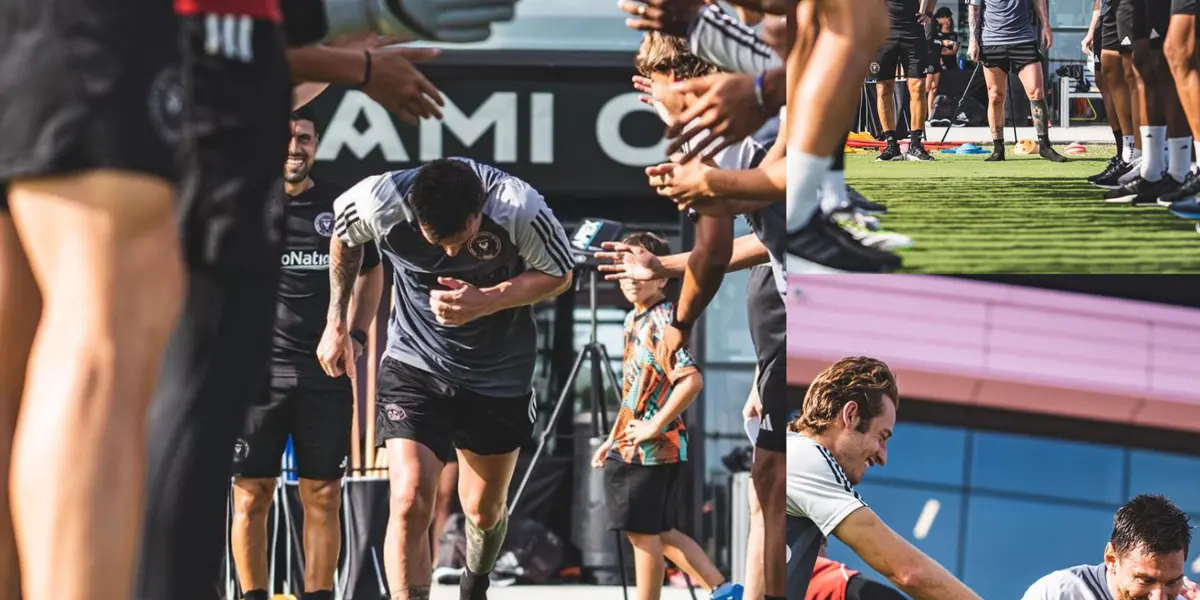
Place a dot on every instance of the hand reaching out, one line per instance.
(629, 262)
(400, 88)
(727, 108)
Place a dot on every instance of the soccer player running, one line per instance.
(303, 402)
(1166, 146)
(473, 248)
(1004, 40)
(906, 45)
(848, 416)
(1144, 558)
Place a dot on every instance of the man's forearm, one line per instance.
(766, 183)
(327, 65)
(748, 251)
(683, 393)
(344, 264)
(706, 267)
(939, 584)
(364, 302)
(774, 90)
(527, 288)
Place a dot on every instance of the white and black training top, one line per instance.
(1083, 582)
(721, 39)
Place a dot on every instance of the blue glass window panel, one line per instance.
(901, 508)
(1175, 476)
(1012, 543)
(926, 453)
(1071, 470)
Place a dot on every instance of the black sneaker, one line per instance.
(995, 156)
(1112, 181)
(857, 200)
(1113, 164)
(827, 245)
(1128, 192)
(1189, 189)
(1149, 196)
(473, 586)
(1188, 208)
(891, 152)
(917, 152)
(1048, 153)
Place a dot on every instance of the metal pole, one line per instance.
(961, 97)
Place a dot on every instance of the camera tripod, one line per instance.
(596, 355)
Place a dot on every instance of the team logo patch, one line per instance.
(241, 450)
(484, 246)
(345, 461)
(324, 224)
(394, 412)
(874, 68)
(164, 105)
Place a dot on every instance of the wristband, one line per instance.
(359, 336)
(366, 70)
(758, 92)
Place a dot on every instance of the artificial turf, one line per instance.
(1023, 215)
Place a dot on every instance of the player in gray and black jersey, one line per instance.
(473, 248)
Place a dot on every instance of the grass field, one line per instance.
(1024, 215)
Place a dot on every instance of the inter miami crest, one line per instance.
(394, 412)
(241, 451)
(324, 224)
(874, 68)
(484, 246)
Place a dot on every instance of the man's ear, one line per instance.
(1110, 557)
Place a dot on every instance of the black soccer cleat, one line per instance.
(1189, 189)
(1112, 181)
(1188, 208)
(1049, 153)
(827, 245)
(917, 152)
(891, 152)
(1155, 190)
(473, 586)
(857, 200)
(1114, 163)
(1128, 192)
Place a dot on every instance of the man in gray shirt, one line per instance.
(1145, 558)
(1003, 38)
(472, 249)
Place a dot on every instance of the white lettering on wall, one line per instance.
(380, 132)
(608, 133)
(499, 111)
(541, 128)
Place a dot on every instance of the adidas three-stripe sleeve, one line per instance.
(817, 489)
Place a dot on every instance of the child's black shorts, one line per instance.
(641, 499)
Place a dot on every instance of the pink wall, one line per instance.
(1004, 346)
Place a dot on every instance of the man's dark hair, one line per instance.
(653, 243)
(445, 194)
(943, 13)
(1153, 523)
(304, 113)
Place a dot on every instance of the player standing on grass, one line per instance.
(906, 45)
(1144, 558)
(848, 415)
(1166, 146)
(303, 402)
(1003, 38)
(473, 248)
(645, 453)
(1183, 56)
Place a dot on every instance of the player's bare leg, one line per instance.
(413, 473)
(1153, 79)
(447, 491)
(1034, 83)
(997, 89)
(1180, 50)
(483, 490)
(769, 477)
(248, 536)
(322, 501)
(918, 105)
(1137, 119)
(817, 114)
(1112, 71)
(754, 551)
(103, 246)
(689, 556)
(20, 310)
(648, 565)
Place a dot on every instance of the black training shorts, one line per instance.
(316, 412)
(1109, 40)
(641, 498)
(88, 84)
(906, 47)
(1011, 58)
(1143, 20)
(1183, 7)
(441, 415)
(768, 330)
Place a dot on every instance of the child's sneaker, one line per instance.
(728, 591)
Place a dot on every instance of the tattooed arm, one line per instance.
(335, 352)
(975, 14)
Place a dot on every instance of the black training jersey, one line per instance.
(303, 297)
(904, 13)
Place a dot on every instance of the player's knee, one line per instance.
(1179, 48)
(1036, 95)
(321, 498)
(886, 89)
(1145, 64)
(767, 476)
(483, 513)
(253, 499)
(996, 95)
(916, 86)
(412, 506)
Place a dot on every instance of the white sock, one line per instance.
(1196, 156)
(1127, 147)
(805, 173)
(1179, 157)
(1135, 154)
(1153, 138)
(833, 192)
